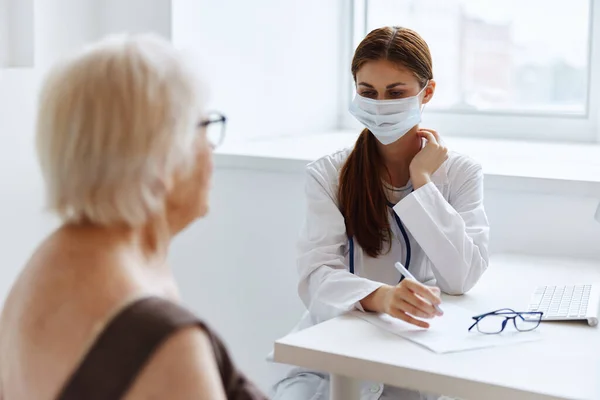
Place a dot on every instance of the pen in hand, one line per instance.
(404, 272)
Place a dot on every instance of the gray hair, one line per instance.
(115, 123)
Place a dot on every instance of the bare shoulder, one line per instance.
(183, 367)
(57, 306)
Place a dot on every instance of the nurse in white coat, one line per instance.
(398, 195)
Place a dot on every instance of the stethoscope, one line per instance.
(404, 236)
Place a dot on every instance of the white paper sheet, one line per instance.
(449, 333)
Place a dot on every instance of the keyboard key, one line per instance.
(562, 301)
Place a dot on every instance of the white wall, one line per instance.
(548, 225)
(63, 26)
(4, 42)
(135, 16)
(16, 33)
(20, 32)
(272, 68)
(272, 65)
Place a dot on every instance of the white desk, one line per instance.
(565, 364)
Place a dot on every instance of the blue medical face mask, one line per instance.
(388, 120)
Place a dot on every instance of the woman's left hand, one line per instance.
(428, 160)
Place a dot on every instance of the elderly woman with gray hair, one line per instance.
(126, 159)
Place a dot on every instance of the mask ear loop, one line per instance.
(421, 91)
(422, 108)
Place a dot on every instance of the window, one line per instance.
(504, 68)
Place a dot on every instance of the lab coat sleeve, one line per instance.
(326, 286)
(453, 234)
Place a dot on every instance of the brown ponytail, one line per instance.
(362, 197)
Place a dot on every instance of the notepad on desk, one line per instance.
(448, 333)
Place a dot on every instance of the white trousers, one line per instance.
(315, 386)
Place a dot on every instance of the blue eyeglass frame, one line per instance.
(508, 314)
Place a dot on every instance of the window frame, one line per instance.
(485, 124)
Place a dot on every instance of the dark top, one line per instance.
(127, 344)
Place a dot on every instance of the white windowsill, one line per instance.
(567, 169)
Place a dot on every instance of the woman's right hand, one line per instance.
(407, 300)
(428, 160)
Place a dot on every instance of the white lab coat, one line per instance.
(448, 231)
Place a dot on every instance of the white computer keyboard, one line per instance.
(567, 302)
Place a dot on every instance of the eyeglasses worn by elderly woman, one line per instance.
(214, 123)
